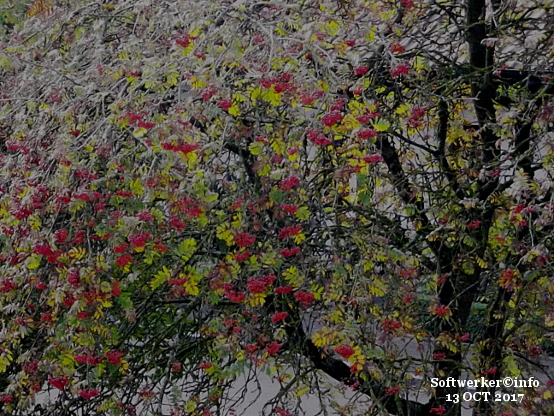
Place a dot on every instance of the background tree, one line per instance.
(190, 191)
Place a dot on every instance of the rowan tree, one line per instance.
(191, 192)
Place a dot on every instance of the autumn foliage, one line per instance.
(195, 192)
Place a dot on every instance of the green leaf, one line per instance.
(211, 197)
(468, 241)
(34, 261)
(35, 223)
(255, 93)
(160, 278)
(277, 196)
(234, 110)
(223, 232)
(187, 248)
(303, 213)
(375, 353)
(4, 363)
(125, 300)
(136, 187)
(370, 37)
(403, 109)
(212, 298)
(172, 78)
(256, 148)
(381, 125)
(378, 287)
(272, 97)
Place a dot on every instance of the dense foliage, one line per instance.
(191, 191)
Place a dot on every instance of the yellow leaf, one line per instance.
(323, 85)
(377, 287)
(172, 78)
(256, 299)
(4, 362)
(368, 265)
(237, 220)
(419, 64)
(234, 110)
(272, 97)
(265, 170)
(196, 83)
(67, 359)
(278, 146)
(136, 187)
(256, 148)
(223, 232)
(34, 261)
(34, 222)
(482, 263)
(239, 97)
(77, 253)
(293, 276)
(160, 278)
(403, 109)
(196, 32)
(295, 157)
(302, 391)
(140, 132)
(371, 35)
(40, 8)
(98, 314)
(255, 93)
(298, 238)
(191, 285)
(349, 122)
(303, 213)
(381, 125)
(355, 107)
(187, 248)
(332, 28)
(323, 338)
